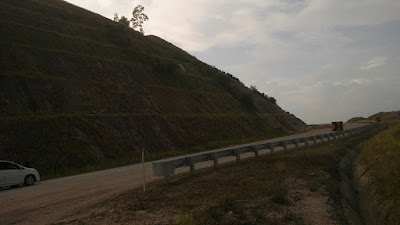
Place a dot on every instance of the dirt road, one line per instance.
(49, 201)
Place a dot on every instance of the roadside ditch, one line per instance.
(357, 201)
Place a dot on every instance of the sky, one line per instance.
(323, 60)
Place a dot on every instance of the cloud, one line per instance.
(373, 63)
(305, 53)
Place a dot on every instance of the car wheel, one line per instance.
(29, 180)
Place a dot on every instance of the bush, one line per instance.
(272, 99)
(184, 219)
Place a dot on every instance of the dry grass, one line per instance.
(381, 156)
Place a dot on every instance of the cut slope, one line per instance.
(80, 92)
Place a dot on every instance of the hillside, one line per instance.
(79, 92)
(394, 115)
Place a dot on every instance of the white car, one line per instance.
(12, 174)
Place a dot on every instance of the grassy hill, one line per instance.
(381, 116)
(395, 115)
(79, 92)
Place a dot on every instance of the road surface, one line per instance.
(50, 201)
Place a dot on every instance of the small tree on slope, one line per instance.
(138, 18)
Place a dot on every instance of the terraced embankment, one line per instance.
(79, 92)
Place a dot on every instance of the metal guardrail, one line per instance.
(166, 168)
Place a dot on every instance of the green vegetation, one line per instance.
(381, 156)
(254, 90)
(122, 20)
(138, 18)
(184, 219)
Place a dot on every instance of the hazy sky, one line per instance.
(323, 60)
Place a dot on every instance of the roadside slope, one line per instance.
(378, 173)
(85, 93)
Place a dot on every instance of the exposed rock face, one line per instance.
(78, 89)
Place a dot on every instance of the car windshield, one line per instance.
(13, 166)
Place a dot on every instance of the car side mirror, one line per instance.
(21, 168)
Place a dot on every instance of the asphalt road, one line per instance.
(50, 201)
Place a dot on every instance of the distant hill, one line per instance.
(79, 92)
(395, 115)
(356, 119)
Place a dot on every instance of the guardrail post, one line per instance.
(163, 169)
(272, 148)
(314, 138)
(214, 157)
(306, 142)
(255, 150)
(284, 146)
(190, 162)
(296, 143)
(237, 154)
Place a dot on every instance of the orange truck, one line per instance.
(337, 126)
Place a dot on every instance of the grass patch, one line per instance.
(381, 156)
